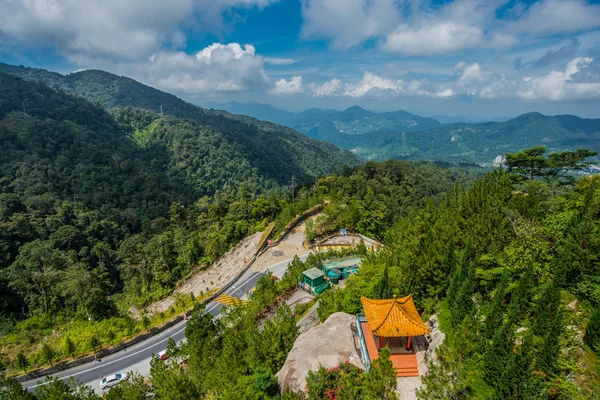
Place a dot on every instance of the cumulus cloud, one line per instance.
(216, 68)
(549, 17)
(567, 84)
(293, 86)
(123, 30)
(471, 74)
(580, 80)
(458, 25)
(561, 85)
(380, 87)
(348, 22)
(329, 88)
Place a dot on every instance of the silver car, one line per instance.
(111, 380)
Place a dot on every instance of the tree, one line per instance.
(521, 382)
(592, 332)
(132, 388)
(94, 343)
(531, 163)
(445, 378)
(11, 389)
(380, 381)
(550, 349)
(146, 321)
(493, 318)
(22, 361)
(495, 359)
(171, 382)
(172, 349)
(47, 354)
(56, 389)
(69, 347)
(383, 289)
(545, 311)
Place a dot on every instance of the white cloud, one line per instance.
(123, 30)
(456, 26)
(348, 22)
(548, 17)
(280, 61)
(442, 37)
(329, 88)
(371, 81)
(293, 86)
(569, 84)
(470, 73)
(216, 68)
(561, 85)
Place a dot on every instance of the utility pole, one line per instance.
(161, 111)
(293, 187)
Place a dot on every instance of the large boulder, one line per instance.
(328, 344)
(434, 339)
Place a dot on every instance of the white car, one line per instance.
(111, 380)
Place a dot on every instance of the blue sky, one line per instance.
(484, 58)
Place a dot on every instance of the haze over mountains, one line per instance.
(402, 135)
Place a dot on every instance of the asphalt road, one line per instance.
(137, 357)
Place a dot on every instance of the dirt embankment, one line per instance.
(218, 275)
(289, 247)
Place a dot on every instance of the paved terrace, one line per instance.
(405, 362)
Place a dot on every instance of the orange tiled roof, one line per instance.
(394, 317)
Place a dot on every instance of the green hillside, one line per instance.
(86, 187)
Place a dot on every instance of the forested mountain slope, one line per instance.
(277, 152)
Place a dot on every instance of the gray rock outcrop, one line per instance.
(328, 344)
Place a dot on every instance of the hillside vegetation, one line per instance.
(121, 203)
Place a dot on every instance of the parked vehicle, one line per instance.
(162, 355)
(111, 380)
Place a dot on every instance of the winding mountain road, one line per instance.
(137, 357)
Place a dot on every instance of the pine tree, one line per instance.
(550, 348)
(592, 333)
(382, 289)
(519, 300)
(380, 382)
(495, 359)
(22, 361)
(445, 378)
(546, 309)
(521, 382)
(47, 354)
(69, 346)
(493, 319)
(458, 275)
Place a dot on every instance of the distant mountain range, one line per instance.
(402, 135)
(328, 124)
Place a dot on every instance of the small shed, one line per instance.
(313, 281)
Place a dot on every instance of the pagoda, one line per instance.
(393, 323)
